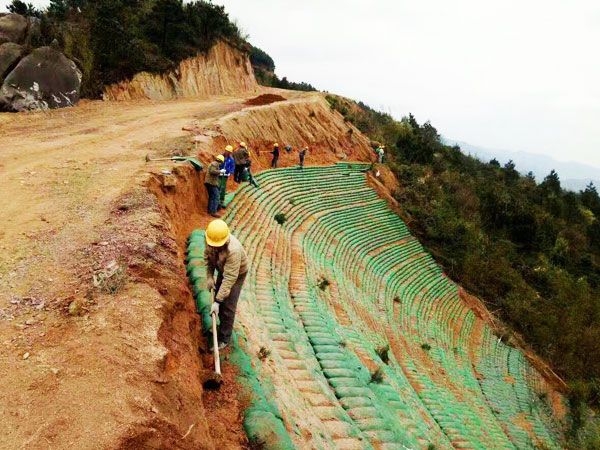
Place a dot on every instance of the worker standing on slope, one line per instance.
(302, 155)
(275, 154)
(380, 152)
(242, 160)
(211, 181)
(227, 169)
(225, 254)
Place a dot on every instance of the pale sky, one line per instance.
(516, 75)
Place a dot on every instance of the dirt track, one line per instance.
(88, 368)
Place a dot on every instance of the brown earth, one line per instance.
(97, 323)
(264, 99)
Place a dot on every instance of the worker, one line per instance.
(275, 154)
(211, 181)
(302, 155)
(227, 169)
(242, 159)
(380, 152)
(225, 254)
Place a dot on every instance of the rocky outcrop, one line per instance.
(224, 70)
(10, 53)
(13, 28)
(43, 79)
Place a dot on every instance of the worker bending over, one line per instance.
(225, 254)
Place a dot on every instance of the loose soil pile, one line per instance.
(264, 99)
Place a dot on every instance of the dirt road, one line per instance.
(89, 359)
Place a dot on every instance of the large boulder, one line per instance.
(10, 53)
(13, 28)
(43, 79)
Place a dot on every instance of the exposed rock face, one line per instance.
(13, 28)
(43, 79)
(224, 70)
(9, 55)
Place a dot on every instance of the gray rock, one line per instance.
(10, 53)
(13, 28)
(43, 79)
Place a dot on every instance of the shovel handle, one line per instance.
(215, 340)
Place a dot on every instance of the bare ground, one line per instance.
(97, 325)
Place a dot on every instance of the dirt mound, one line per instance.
(264, 99)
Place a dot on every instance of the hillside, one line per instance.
(349, 335)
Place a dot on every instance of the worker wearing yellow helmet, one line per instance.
(211, 182)
(227, 169)
(275, 154)
(224, 254)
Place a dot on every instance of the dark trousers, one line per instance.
(222, 191)
(228, 307)
(301, 161)
(237, 174)
(213, 198)
(274, 162)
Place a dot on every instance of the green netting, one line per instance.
(346, 234)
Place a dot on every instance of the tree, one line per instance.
(25, 9)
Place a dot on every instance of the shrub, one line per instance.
(323, 283)
(263, 353)
(377, 376)
(382, 352)
(425, 346)
(280, 218)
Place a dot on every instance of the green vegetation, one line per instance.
(383, 353)
(263, 353)
(530, 250)
(111, 40)
(280, 218)
(377, 376)
(323, 283)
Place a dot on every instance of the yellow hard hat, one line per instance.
(217, 233)
(243, 144)
(275, 144)
(220, 158)
(229, 148)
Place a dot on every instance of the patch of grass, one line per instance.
(382, 352)
(280, 218)
(377, 376)
(431, 447)
(397, 299)
(323, 283)
(263, 353)
(425, 346)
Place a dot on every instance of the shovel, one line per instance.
(193, 161)
(215, 381)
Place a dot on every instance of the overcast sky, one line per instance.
(516, 75)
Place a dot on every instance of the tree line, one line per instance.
(111, 40)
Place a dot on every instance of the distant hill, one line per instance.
(573, 175)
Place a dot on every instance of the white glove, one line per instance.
(222, 171)
(214, 309)
(210, 283)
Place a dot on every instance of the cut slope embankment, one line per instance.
(370, 344)
(223, 70)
